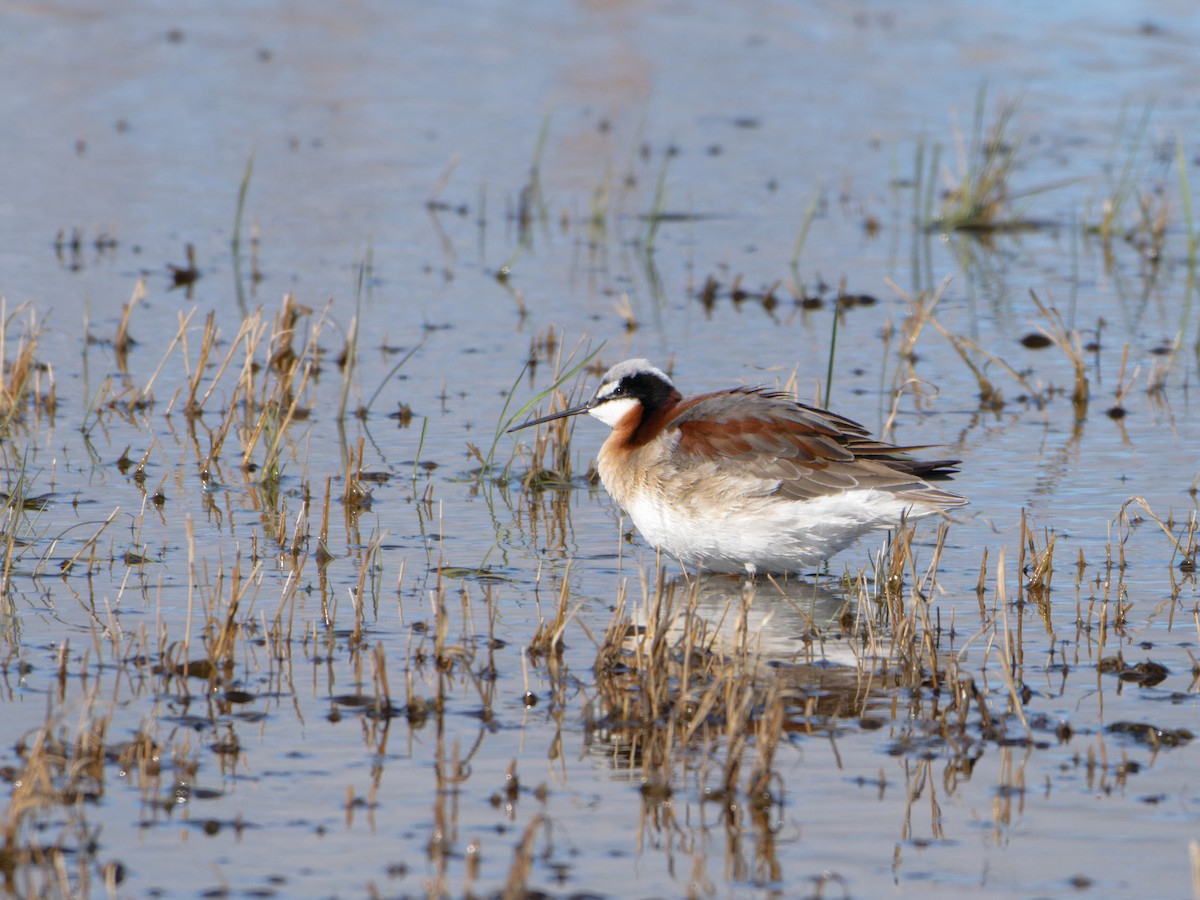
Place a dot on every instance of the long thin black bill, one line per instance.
(573, 411)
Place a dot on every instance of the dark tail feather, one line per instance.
(931, 470)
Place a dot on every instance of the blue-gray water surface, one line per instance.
(462, 182)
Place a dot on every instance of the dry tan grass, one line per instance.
(21, 376)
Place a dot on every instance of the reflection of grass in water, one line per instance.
(47, 845)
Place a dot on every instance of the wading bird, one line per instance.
(746, 479)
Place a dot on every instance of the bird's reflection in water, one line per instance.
(779, 619)
(700, 687)
(718, 652)
(815, 641)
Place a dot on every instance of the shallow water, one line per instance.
(682, 142)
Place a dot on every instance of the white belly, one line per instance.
(770, 535)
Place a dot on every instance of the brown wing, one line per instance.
(800, 451)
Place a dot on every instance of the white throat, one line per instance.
(610, 412)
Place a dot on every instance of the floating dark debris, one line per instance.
(849, 301)
(1152, 735)
(476, 574)
(202, 668)
(185, 276)
(40, 502)
(712, 291)
(1145, 674)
